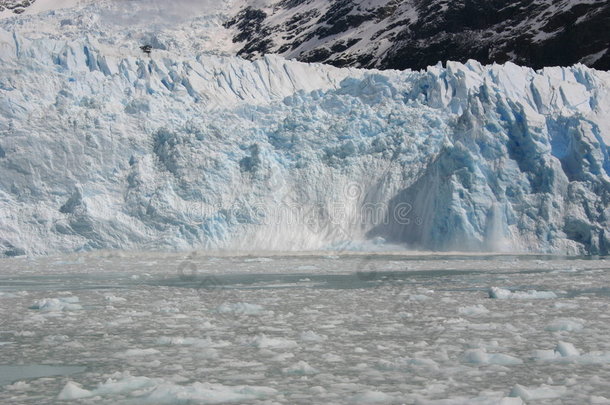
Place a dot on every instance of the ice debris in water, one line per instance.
(535, 393)
(480, 356)
(567, 325)
(505, 294)
(57, 304)
(240, 308)
(156, 391)
(371, 397)
(566, 352)
(264, 342)
(473, 310)
(300, 368)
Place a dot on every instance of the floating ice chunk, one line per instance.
(480, 356)
(565, 352)
(189, 341)
(57, 304)
(503, 294)
(564, 325)
(240, 308)
(206, 393)
(565, 305)
(157, 391)
(311, 336)
(594, 358)
(407, 363)
(137, 353)
(18, 386)
(123, 384)
(597, 400)
(419, 297)
(566, 349)
(545, 355)
(542, 392)
(73, 391)
(482, 400)
(300, 368)
(511, 401)
(282, 357)
(264, 342)
(113, 299)
(371, 397)
(473, 310)
(54, 340)
(332, 358)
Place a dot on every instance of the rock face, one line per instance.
(393, 34)
(16, 6)
(101, 150)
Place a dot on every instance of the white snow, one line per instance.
(40, 6)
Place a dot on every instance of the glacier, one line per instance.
(106, 148)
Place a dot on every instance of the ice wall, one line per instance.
(101, 149)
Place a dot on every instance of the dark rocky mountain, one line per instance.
(395, 34)
(16, 6)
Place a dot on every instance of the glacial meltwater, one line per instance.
(324, 328)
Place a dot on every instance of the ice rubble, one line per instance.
(480, 356)
(534, 393)
(566, 352)
(505, 294)
(57, 304)
(103, 150)
(157, 391)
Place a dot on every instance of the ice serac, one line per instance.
(101, 149)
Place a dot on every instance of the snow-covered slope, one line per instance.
(184, 27)
(399, 34)
(9, 8)
(383, 34)
(102, 146)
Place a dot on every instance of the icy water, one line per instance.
(110, 328)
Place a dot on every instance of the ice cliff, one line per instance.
(101, 149)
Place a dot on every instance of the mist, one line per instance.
(158, 12)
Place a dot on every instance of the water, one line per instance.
(310, 328)
(9, 374)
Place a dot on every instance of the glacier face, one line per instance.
(101, 149)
